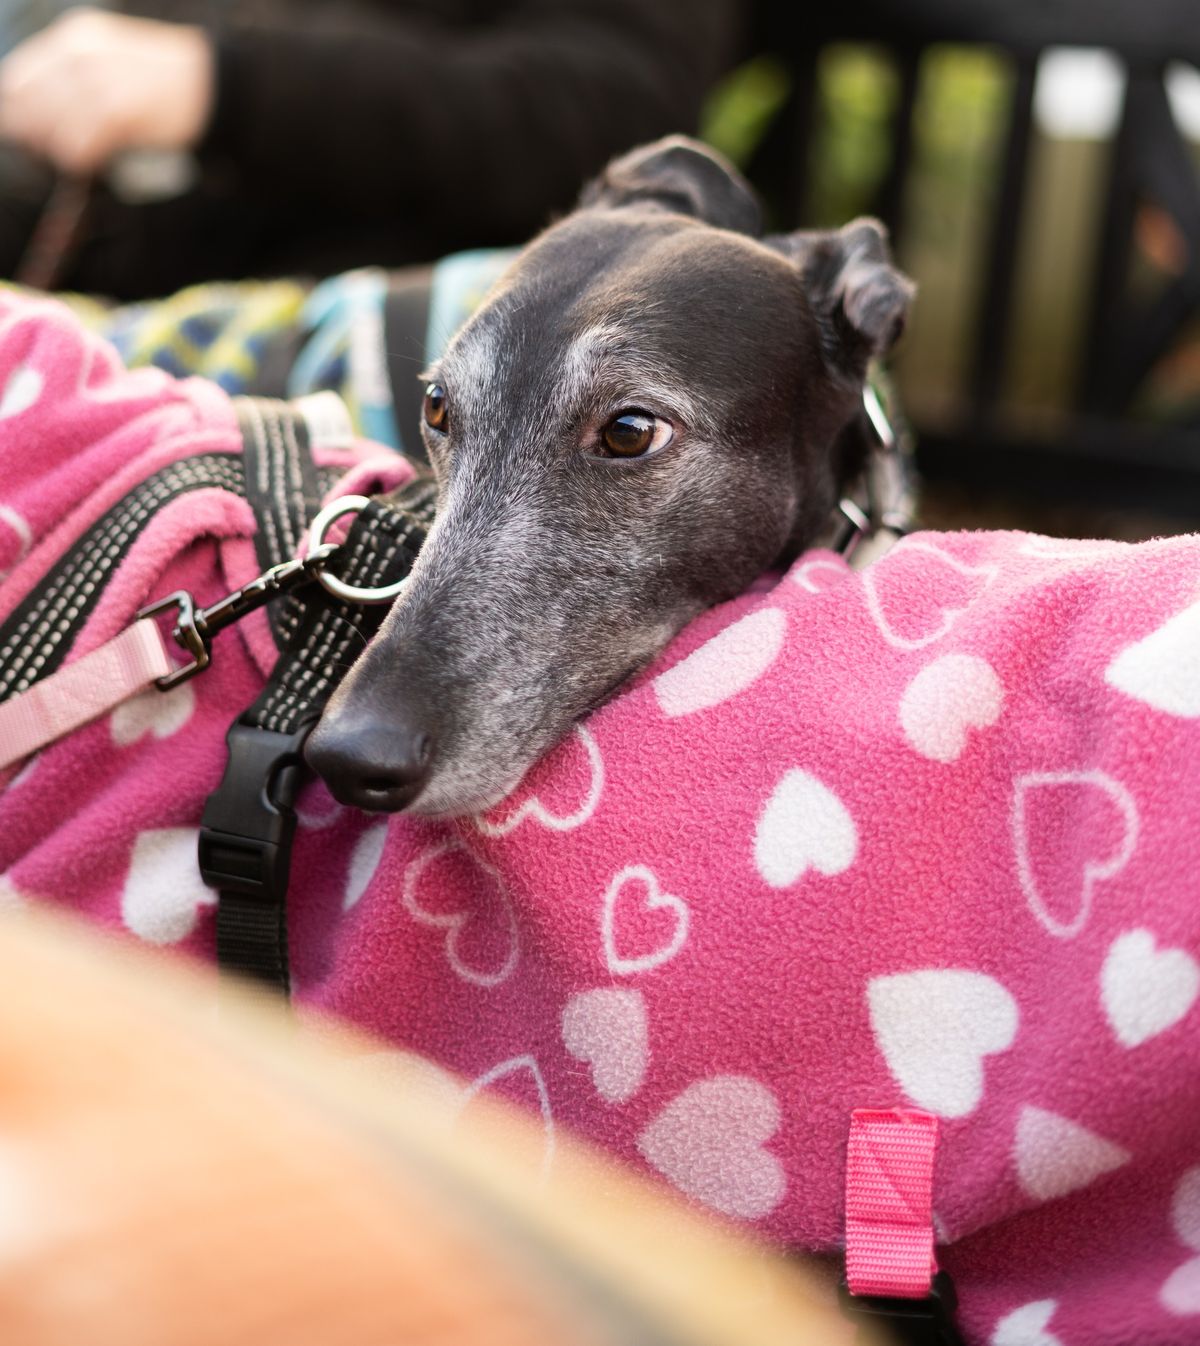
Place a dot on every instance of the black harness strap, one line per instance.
(282, 487)
(249, 821)
(275, 472)
(248, 824)
(39, 633)
(405, 325)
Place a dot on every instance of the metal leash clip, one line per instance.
(195, 627)
(888, 505)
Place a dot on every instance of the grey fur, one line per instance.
(552, 574)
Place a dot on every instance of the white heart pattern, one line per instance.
(22, 390)
(16, 537)
(159, 713)
(163, 891)
(527, 1067)
(1163, 669)
(946, 699)
(1055, 1156)
(1185, 1209)
(1068, 549)
(1057, 847)
(457, 924)
(316, 809)
(606, 1028)
(1027, 1325)
(930, 626)
(1146, 990)
(654, 899)
(364, 861)
(709, 1142)
(1180, 1293)
(25, 772)
(821, 575)
(934, 1028)
(731, 661)
(804, 825)
(11, 898)
(502, 819)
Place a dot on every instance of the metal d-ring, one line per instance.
(351, 593)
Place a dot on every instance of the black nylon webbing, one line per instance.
(282, 487)
(275, 473)
(249, 822)
(39, 632)
(405, 327)
(379, 549)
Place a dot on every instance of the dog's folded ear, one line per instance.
(681, 175)
(858, 297)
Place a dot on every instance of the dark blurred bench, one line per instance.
(1103, 452)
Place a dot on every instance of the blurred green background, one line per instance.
(961, 119)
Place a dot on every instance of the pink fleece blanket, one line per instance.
(922, 835)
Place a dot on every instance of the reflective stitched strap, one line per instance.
(282, 487)
(249, 820)
(39, 632)
(889, 1203)
(82, 691)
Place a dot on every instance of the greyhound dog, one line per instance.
(919, 836)
(654, 405)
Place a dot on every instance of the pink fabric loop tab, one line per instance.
(82, 691)
(889, 1203)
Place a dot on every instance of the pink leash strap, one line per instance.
(82, 691)
(889, 1203)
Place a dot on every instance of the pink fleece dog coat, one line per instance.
(920, 836)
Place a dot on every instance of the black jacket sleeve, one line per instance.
(479, 121)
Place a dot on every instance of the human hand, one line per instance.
(92, 84)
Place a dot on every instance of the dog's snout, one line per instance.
(372, 763)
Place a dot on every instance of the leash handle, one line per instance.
(57, 234)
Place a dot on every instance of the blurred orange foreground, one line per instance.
(177, 1171)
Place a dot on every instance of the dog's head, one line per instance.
(653, 406)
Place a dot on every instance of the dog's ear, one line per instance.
(858, 297)
(682, 175)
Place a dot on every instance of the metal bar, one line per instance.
(1106, 319)
(1169, 170)
(1148, 339)
(995, 311)
(802, 116)
(890, 198)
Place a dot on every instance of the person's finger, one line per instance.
(104, 83)
(81, 146)
(33, 89)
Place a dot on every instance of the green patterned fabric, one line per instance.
(331, 336)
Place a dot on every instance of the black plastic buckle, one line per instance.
(907, 1322)
(248, 824)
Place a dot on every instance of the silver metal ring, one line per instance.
(878, 417)
(351, 593)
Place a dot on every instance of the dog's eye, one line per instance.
(434, 407)
(633, 433)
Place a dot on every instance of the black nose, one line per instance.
(372, 763)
